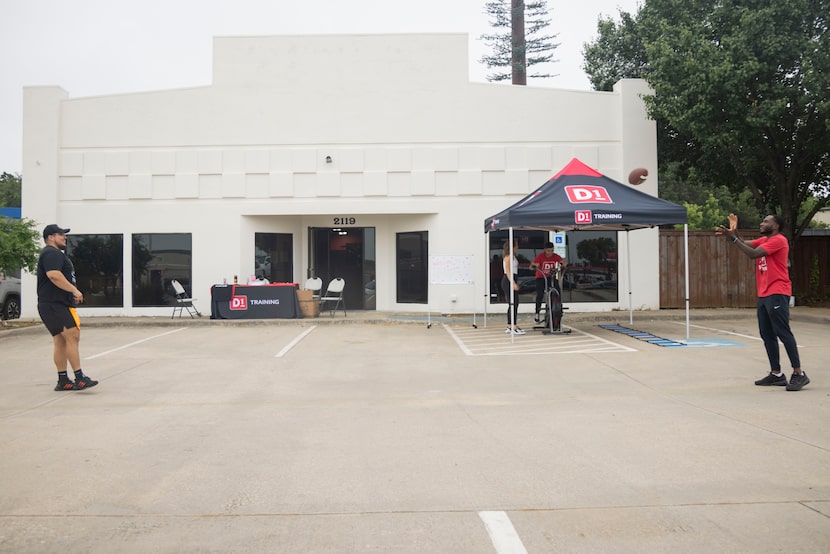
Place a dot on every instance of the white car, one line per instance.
(10, 297)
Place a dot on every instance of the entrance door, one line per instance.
(349, 253)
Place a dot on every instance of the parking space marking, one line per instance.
(503, 535)
(718, 330)
(102, 354)
(495, 342)
(294, 342)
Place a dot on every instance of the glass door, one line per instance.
(348, 253)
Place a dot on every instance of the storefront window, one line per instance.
(99, 268)
(411, 275)
(591, 275)
(158, 258)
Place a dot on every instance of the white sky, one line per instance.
(99, 47)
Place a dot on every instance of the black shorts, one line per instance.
(58, 317)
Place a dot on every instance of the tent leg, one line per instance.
(511, 297)
(628, 268)
(686, 253)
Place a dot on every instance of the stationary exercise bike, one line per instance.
(553, 303)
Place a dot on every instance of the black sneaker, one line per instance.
(84, 382)
(771, 380)
(798, 381)
(65, 385)
(537, 319)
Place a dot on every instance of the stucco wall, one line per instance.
(413, 146)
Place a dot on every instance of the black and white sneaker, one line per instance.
(772, 380)
(65, 385)
(83, 382)
(798, 381)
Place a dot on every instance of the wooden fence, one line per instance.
(720, 276)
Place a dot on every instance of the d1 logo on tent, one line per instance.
(580, 194)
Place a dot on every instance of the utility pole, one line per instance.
(518, 59)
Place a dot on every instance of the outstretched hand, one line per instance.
(732, 230)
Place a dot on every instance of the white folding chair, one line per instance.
(183, 302)
(334, 294)
(314, 284)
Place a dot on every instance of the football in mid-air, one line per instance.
(638, 176)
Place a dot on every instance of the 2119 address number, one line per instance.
(345, 220)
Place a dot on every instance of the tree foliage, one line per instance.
(618, 53)
(10, 190)
(539, 47)
(742, 95)
(19, 245)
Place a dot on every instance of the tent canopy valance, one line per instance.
(580, 197)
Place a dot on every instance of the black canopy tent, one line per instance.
(581, 198)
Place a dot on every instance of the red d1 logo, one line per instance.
(578, 194)
(239, 303)
(583, 217)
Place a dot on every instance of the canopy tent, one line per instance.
(581, 198)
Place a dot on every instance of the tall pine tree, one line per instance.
(518, 41)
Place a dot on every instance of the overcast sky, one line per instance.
(96, 47)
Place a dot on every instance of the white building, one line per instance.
(354, 156)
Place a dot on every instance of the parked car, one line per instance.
(10, 297)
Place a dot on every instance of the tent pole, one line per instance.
(686, 253)
(510, 299)
(628, 256)
(487, 277)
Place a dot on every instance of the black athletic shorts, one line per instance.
(58, 317)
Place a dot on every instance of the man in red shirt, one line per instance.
(545, 266)
(771, 254)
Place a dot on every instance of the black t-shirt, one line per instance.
(53, 259)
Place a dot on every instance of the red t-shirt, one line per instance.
(546, 264)
(771, 274)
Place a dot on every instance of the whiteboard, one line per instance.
(451, 270)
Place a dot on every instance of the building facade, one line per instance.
(367, 157)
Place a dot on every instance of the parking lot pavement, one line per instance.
(388, 437)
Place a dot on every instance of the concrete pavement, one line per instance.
(381, 435)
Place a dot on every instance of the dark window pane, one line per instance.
(158, 258)
(99, 268)
(531, 243)
(412, 269)
(273, 257)
(591, 275)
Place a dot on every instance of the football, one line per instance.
(638, 176)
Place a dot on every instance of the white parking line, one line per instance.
(493, 342)
(502, 533)
(458, 341)
(294, 342)
(101, 354)
(718, 330)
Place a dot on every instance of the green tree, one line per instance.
(533, 46)
(19, 245)
(617, 53)
(741, 96)
(10, 190)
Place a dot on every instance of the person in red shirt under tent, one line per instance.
(545, 265)
(771, 254)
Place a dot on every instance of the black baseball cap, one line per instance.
(53, 229)
(547, 244)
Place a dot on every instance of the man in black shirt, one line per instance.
(57, 298)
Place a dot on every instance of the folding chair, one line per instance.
(183, 302)
(334, 294)
(314, 284)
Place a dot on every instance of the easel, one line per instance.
(450, 270)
